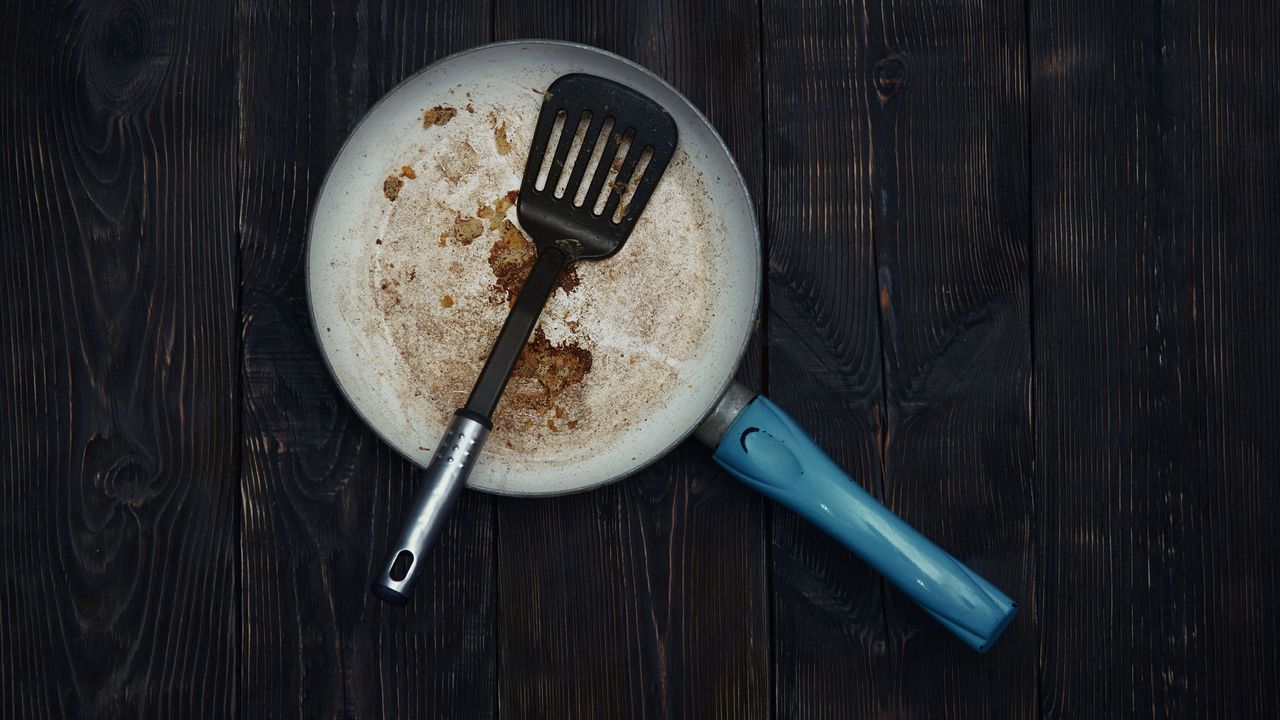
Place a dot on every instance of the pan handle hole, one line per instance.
(615, 164)
(597, 150)
(556, 130)
(400, 568)
(632, 183)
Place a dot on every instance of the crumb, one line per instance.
(377, 241)
(632, 360)
(465, 230)
(438, 115)
(423, 449)
(497, 212)
(573, 424)
(468, 229)
(471, 108)
(504, 203)
(391, 187)
(447, 301)
(407, 171)
(500, 138)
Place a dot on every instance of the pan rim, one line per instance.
(697, 113)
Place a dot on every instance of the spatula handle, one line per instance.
(445, 477)
(516, 331)
(460, 448)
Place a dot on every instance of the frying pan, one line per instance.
(403, 317)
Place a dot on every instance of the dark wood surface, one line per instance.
(1019, 258)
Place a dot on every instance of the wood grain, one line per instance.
(322, 498)
(118, 568)
(1155, 160)
(648, 598)
(900, 335)
(953, 194)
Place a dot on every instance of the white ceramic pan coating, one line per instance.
(407, 255)
(375, 369)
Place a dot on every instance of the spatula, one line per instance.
(613, 166)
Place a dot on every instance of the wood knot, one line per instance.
(129, 61)
(890, 74)
(121, 470)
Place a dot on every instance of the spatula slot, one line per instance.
(593, 161)
(553, 141)
(615, 164)
(632, 183)
(575, 149)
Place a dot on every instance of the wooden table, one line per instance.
(1020, 259)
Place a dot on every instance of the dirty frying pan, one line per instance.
(416, 256)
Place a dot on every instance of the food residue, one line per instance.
(391, 188)
(555, 368)
(407, 171)
(447, 301)
(500, 138)
(513, 256)
(497, 212)
(460, 161)
(464, 231)
(438, 115)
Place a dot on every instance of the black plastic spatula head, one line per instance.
(614, 143)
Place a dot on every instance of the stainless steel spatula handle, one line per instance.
(444, 480)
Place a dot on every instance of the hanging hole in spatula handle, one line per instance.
(443, 481)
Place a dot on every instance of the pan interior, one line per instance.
(415, 253)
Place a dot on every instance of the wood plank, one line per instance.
(899, 334)
(647, 598)
(118, 493)
(322, 496)
(1156, 159)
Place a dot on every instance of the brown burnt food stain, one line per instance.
(438, 115)
(500, 139)
(461, 161)
(554, 370)
(391, 187)
(408, 171)
(465, 230)
(512, 257)
(390, 296)
(446, 301)
(497, 212)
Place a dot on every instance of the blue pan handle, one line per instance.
(767, 450)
